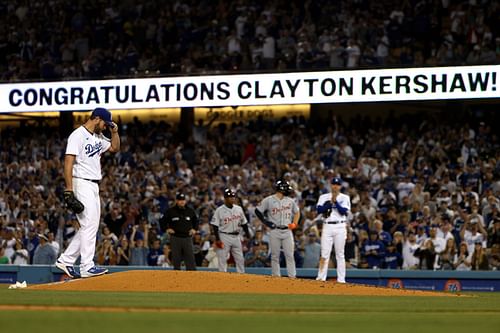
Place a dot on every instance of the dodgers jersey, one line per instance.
(229, 219)
(88, 148)
(342, 199)
(280, 212)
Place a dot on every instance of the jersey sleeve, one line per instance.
(243, 217)
(322, 199)
(264, 205)
(73, 147)
(345, 202)
(106, 143)
(215, 218)
(295, 208)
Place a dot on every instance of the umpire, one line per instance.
(181, 223)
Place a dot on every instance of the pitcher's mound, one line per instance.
(216, 282)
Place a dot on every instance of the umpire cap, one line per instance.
(228, 193)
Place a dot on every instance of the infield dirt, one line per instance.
(216, 282)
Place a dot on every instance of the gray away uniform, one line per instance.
(281, 213)
(229, 222)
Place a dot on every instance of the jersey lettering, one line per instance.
(231, 219)
(91, 150)
(278, 210)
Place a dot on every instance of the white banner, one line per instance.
(429, 83)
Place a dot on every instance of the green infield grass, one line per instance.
(68, 312)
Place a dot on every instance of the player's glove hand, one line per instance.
(72, 203)
(328, 204)
(219, 244)
(327, 213)
(292, 226)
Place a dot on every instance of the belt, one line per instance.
(282, 227)
(90, 180)
(230, 233)
(335, 222)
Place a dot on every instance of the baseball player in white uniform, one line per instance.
(82, 173)
(281, 214)
(227, 222)
(335, 207)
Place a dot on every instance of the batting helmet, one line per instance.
(228, 193)
(283, 186)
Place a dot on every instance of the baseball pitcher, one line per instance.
(281, 214)
(335, 207)
(227, 222)
(82, 173)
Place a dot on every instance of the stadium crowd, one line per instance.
(425, 191)
(60, 40)
(423, 196)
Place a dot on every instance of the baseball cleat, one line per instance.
(320, 279)
(94, 271)
(68, 269)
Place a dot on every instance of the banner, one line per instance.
(429, 83)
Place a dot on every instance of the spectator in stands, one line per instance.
(164, 259)
(4, 260)
(447, 257)
(44, 253)
(494, 234)
(392, 259)
(123, 252)
(106, 254)
(479, 261)
(410, 246)
(312, 251)
(463, 258)
(471, 232)
(373, 250)
(21, 255)
(139, 247)
(154, 253)
(426, 254)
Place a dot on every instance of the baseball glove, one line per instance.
(219, 244)
(72, 203)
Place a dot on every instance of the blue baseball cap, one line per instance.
(336, 181)
(104, 114)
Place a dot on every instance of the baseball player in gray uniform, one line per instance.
(281, 214)
(227, 222)
(335, 207)
(82, 173)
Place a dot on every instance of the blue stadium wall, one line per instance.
(417, 280)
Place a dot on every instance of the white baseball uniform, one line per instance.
(229, 222)
(334, 233)
(87, 148)
(281, 213)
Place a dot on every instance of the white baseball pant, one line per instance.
(83, 243)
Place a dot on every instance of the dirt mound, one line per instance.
(216, 282)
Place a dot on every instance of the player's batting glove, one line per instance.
(292, 226)
(219, 244)
(72, 203)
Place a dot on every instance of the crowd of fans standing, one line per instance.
(423, 196)
(59, 40)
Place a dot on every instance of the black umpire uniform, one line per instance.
(181, 222)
